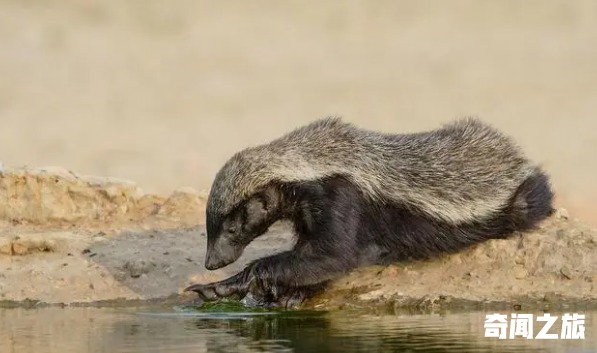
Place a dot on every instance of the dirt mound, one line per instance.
(55, 196)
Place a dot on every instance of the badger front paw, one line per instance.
(207, 292)
(216, 290)
(237, 285)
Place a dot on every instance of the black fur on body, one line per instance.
(445, 190)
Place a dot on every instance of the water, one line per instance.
(117, 330)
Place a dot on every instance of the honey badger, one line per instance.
(358, 197)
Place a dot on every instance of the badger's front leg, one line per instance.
(281, 278)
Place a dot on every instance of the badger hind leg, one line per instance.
(424, 238)
(532, 202)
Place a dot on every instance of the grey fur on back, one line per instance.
(463, 171)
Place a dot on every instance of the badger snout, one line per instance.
(221, 255)
(212, 264)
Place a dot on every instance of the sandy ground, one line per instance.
(163, 93)
(85, 266)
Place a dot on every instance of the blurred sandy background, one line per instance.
(163, 92)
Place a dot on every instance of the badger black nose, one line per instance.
(214, 264)
(210, 266)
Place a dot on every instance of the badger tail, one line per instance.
(532, 202)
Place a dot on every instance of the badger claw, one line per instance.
(214, 291)
(235, 285)
(206, 292)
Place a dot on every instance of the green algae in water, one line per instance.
(232, 308)
(227, 306)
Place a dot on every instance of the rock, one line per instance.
(18, 249)
(30, 243)
(54, 195)
(5, 246)
(565, 271)
(561, 213)
(520, 273)
(36, 242)
(391, 271)
(137, 268)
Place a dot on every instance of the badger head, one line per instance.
(229, 232)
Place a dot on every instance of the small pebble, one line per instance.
(391, 271)
(565, 271)
(562, 213)
(520, 273)
(137, 269)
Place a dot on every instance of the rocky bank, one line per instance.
(72, 239)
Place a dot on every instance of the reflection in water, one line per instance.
(118, 331)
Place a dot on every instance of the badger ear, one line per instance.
(256, 211)
(261, 207)
(271, 199)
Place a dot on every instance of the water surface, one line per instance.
(117, 330)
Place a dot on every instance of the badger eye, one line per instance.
(232, 230)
